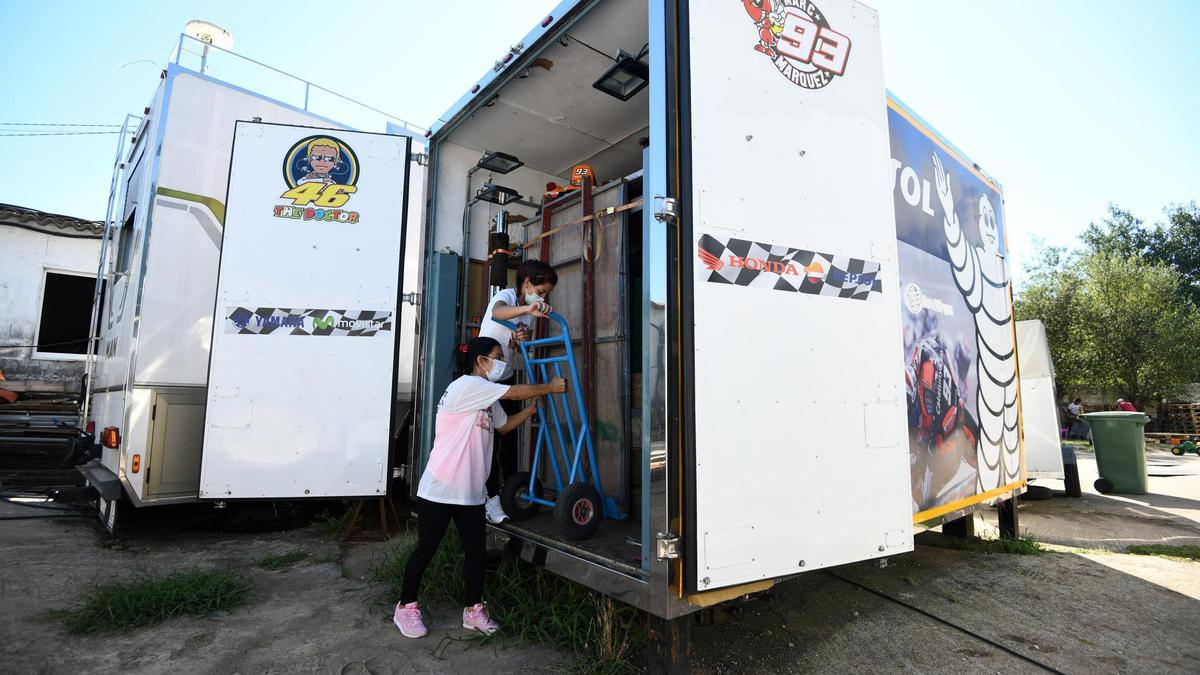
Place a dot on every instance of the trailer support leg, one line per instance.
(1009, 525)
(960, 527)
(668, 648)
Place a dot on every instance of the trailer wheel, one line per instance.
(578, 510)
(515, 496)
(1103, 485)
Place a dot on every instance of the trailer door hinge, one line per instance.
(400, 471)
(420, 158)
(667, 546)
(411, 298)
(666, 209)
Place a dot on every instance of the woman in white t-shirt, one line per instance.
(452, 486)
(520, 305)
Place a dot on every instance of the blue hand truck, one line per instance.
(580, 502)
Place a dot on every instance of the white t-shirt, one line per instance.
(500, 333)
(462, 442)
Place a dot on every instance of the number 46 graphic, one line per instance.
(319, 194)
(806, 42)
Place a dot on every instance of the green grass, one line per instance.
(1167, 551)
(145, 601)
(334, 524)
(599, 634)
(272, 563)
(1021, 546)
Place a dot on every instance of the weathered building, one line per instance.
(47, 279)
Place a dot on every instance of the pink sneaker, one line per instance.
(408, 620)
(476, 618)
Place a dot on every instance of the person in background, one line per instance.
(520, 305)
(452, 485)
(1125, 406)
(1075, 409)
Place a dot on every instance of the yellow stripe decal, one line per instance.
(936, 511)
(214, 205)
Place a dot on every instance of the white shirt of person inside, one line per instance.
(500, 333)
(461, 458)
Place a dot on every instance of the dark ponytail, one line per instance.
(467, 354)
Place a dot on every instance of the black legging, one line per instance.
(504, 447)
(432, 520)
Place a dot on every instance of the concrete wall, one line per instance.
(24, 257)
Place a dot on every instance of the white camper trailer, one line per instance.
(148, 398)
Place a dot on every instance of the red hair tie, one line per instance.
(463, 348)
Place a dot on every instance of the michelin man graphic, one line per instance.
(981, 276)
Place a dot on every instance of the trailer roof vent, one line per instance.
(625, 78)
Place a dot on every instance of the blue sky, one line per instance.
(1070, 104)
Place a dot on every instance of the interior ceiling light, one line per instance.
(625, 78)
(497, 194)
(498, 162)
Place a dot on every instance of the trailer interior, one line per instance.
(550, 116)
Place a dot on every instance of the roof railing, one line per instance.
(194, 50)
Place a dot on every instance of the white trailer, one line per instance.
(175, 199)
(732, 282)
(1039, 398)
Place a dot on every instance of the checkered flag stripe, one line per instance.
(773, 266)
(314, 322)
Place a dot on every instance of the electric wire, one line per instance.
(572, 37)
(41, 346)
(64, 133)
(54, 124)
(967, 631)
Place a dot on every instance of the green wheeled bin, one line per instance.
(1120, 450)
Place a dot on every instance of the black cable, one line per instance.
(39, 346)
(977, 636)
(63, 133)
(572, 37)
(53, 124)
(642, 52)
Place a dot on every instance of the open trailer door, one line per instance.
(789, 316)
(302, 371)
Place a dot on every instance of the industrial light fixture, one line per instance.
(625, 78)
(497, 194)
(498, 162)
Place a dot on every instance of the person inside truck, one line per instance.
(535, 280)
(323, 156)
(452, 485)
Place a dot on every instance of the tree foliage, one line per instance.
(1121, 311)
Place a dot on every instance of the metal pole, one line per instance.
(1010, 526)
(306, 87)
(204, 60)
(466, 258)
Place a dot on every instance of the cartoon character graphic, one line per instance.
(943, 454)
(323, 157)
(982, 278)
(770, 25)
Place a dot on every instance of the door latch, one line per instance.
(420, 158)
(411, 298)
(666, 546)
(666, 209)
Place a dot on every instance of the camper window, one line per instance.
(65, 315)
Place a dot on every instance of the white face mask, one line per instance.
(497, 370)
(533, 298)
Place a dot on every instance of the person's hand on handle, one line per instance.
(558, 385)
(521, 334)
(540, 309)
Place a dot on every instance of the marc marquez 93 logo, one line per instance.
(797, 38)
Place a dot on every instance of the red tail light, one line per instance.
(90, 428)
(110, 438)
